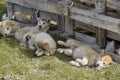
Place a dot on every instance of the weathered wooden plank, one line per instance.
(25, 10)
(98, 20)
(69, 24)
(101, 37)
(93, 29)
(10, 9)
(109, 3)
(42, 5)
(84, 38)
(115, 4)
(61, 23)
(109, 34)
(113, 35)
(85, 27)
(22, 9)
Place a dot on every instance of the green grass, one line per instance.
(21, 63)
(2, 8)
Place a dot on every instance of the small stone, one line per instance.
(6, 77)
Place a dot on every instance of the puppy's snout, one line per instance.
(39, 26)
(35, 55)
(96, 65)
(5, 34)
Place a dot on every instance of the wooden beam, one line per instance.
(94, 19)
(101, 37)
(22, 9)
(84, 38)
(113, 35)
(42, 5)
(109, 34)
(69, 24)
(114, 4)
(10, 10)
(61, 23)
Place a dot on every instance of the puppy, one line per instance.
(43, 42)
(84, 55)
(8, 27)
(21, 34)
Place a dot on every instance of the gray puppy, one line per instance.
(84, 55)
(21, 34)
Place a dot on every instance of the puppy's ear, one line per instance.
(103, 53)
(0, 24)
(43, 45)
(38, 13)
(48, 20)
(38, 19)
(118, 51)
(46, 46)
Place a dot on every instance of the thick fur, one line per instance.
(21, 34)
(118, 51)
(43, 42)
(110, 47)
(8, 27)
(83, 54)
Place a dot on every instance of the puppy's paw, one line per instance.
(32, 48)
(60, 50)
(47, 54)
(98, 68)
(60, 42)
(39, 53)
(74, 63)
(22, 44)
(83, 61)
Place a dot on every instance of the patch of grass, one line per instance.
(2, 8)
(21, 64)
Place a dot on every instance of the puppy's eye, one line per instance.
(100, 59)
(110, 63)
(8, 28)
(43, 23)
(103, 63)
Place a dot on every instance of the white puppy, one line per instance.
(42, 26)
(43, 42)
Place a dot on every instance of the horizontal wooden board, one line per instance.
(94, 19)
(41, 5)
(111, 35)
(115, 4)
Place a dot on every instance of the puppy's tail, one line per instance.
(62, 43)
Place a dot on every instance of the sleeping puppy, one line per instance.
(42, 26)
(43, 43)
(84, 55)
(8, 27)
